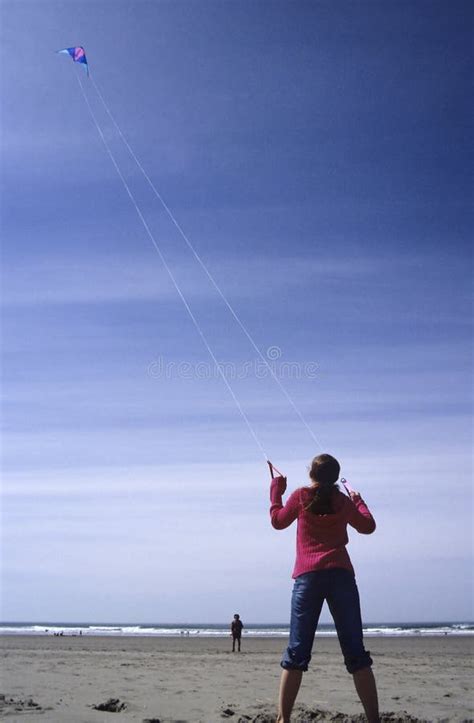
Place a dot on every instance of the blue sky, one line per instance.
(317, 154)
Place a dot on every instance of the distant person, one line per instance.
(236, 631)
(323, 571)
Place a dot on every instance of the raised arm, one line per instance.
(360, 516)
(282, 516)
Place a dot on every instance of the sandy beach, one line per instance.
(199, 679)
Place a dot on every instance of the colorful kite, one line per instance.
(78, 55)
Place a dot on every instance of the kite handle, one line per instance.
(274, 469)
(346, 485)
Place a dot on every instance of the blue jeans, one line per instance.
(338, 587)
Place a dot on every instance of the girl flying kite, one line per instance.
(323, 571)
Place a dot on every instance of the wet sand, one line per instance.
(200, 680)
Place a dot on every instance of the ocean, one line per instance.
(269, 630)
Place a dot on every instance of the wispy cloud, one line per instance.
(98, 278)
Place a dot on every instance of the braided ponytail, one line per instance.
(324, 473)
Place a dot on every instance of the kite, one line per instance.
(78, 55)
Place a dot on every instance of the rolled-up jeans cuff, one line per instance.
(359, 663)
(290, 661)
(294, 666)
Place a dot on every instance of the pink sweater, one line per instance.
(320, 539)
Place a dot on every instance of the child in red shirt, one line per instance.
(236, 631)
(323, 571)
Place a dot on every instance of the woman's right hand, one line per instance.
(279, 484)
(355, 496)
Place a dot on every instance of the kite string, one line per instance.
(170, 273)
(206, 270)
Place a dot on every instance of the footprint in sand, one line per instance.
(112, 705)
(19, 705)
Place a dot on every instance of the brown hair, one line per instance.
(324, 473)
